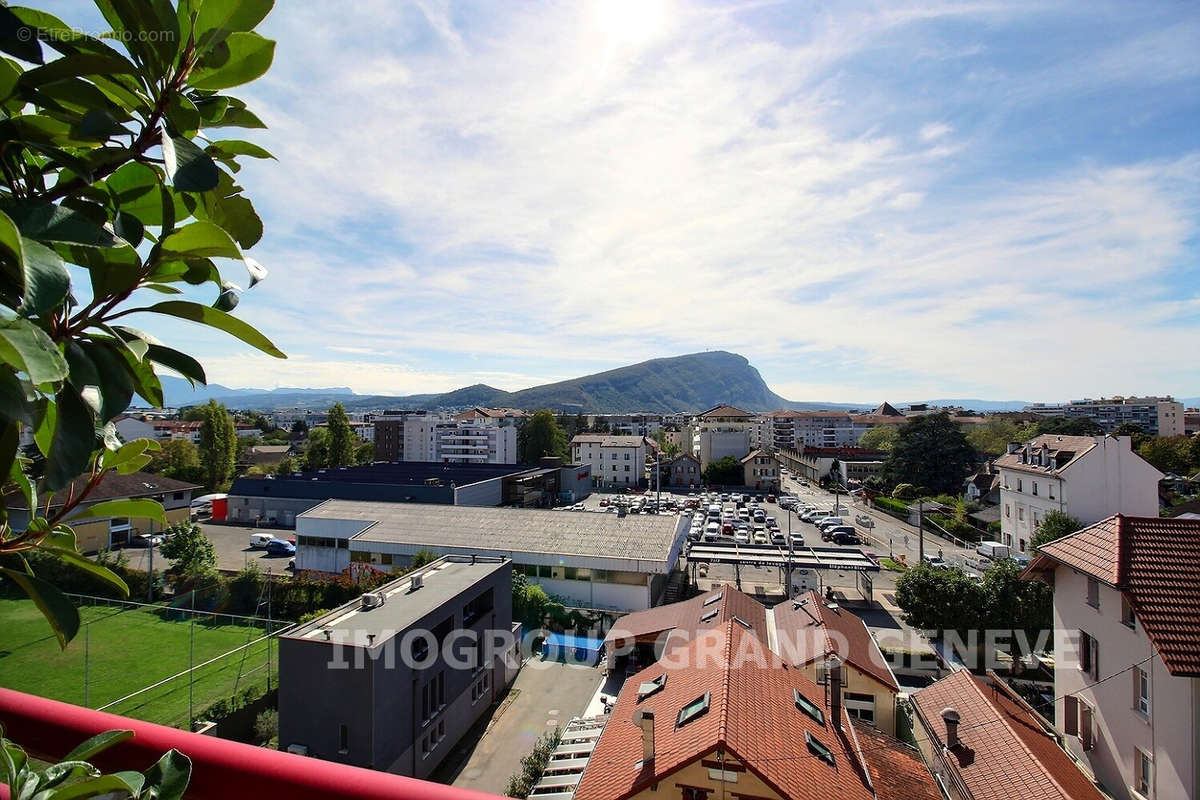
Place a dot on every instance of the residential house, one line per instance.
(760, 471)
(684, 471)
(1088, 477)
(93, 535)
(616, 461)
(982, 741)
(355, 687)
(1127, 652)
(723, 716)
(983, 486)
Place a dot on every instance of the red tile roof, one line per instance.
(752, 716)
(811, 630)
(1063, 451)
(1155, 562)
(999, 732)
(684, 620)
(725, 411)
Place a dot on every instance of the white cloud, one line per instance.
(538, 186)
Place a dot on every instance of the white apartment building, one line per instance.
(616, 461)
(476, 439)
(1127, 652)
(1088, 477)
(722, 431)
(1157, 416)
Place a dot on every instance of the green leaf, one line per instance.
(28, 348)
(47, 281)
(138, 508)
(18, 39)
(190, 168)
(183, 116)
(231, 15)
(76, 65)
(237, 116)
(129, 228)
(237, 147)
(83, 563)
(56, 223)
(182, 363)
(145, 382)
(54, 605)
(241, 58)
(212, 109)
(135, 187)
(112, 376)
(10, 437)
(216, 319)
(15, 397)
(168, 777)
(43, 429)
(200, 240)
(113, 785)
(26, 486)
(148, 28)
(135, 781)
(66, 769)
(127, 453)
(74, 439)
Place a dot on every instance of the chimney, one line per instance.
(951, 718)
(833, 667)
(645, 720)
(1013, 447)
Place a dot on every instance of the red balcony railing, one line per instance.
(221, 769)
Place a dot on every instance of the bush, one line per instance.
(894, 506)
(266, 727)
(533, 765)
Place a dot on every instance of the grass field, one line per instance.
(128, 649)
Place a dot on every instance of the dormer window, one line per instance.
(809, 707)
(650, 687)
(692, 710)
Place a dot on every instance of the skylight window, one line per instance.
(713, 599)
(709, 615)
(692, 710)
(809, 707)
(819, 750)
(650, 687)
(742, 622)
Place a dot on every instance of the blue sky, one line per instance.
(866, 200)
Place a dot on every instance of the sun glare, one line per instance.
(635, 22)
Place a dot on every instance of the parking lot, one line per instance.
(232, 545)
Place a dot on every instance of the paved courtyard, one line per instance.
(232, 543)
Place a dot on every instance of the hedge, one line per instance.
(891, 504)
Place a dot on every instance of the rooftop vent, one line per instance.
(418, 581)
(951, 718)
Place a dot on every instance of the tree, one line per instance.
(931, 452)
(104, 175)
(191, 552)
(287, 465)
(1168, 453)
(541, 436)
(905, 491)
(992, 437)
(882, 438)
(669, 449)
(265, 425)
(1070, 426)
(725, 471)
(342, 440)
(939, 599)
(177, 457)
(1055, 525)
(300, 427)
(218, 445)
(316, 455)
(1136, 433)
(364, 453)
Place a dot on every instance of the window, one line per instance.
(1141, 691)
(1050, 490)
(650, 687)
(713, 599)
(1021, 513)
(343, 739)
(708, 615)
(1143, 771)
(819, 750)
(1093, 593)
(1007, 510)
(808, 707)
(627, 456)
(742, 622)
(694, 793)
(1071, 715)
(1020, 485)
(860, 705)
(1089, 655)
(1035, 488)
(692, 710)
(1128, 619)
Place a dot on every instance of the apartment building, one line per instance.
(1157, 416)
(723, 716)
(1088, 477)
(392, 680)
(981, 740)
(477, 436)
(722, 431)
(616, 461)
(628, 424)
(1127, 652)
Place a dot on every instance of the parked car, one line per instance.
(280, 547)
(842, 538)
(797, 539)
(260, 539)
(760, 537)
(778, 537)
(146, 540)
(829, 522)
(770, 498)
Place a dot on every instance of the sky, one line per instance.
(868, 201)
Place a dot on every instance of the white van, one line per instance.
(993, 550)
(260, 539)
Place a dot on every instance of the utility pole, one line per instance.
(150, 573)
(920, 532)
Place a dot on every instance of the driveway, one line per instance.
(546, 694)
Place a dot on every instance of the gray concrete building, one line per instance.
(392, 680)
(591, 560)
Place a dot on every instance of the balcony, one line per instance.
(221, 769)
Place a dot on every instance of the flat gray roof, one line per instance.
(639, 543)
(444, 580)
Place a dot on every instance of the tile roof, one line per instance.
(112, 486)
(813, 630)
(752, 716)
(1007, 750)
(609, 440)
(683, 620)
(1155, 562)
(1063, 451)
(886, 409)
(755, 454)
(724, 411)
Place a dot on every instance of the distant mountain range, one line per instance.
(691, 382)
